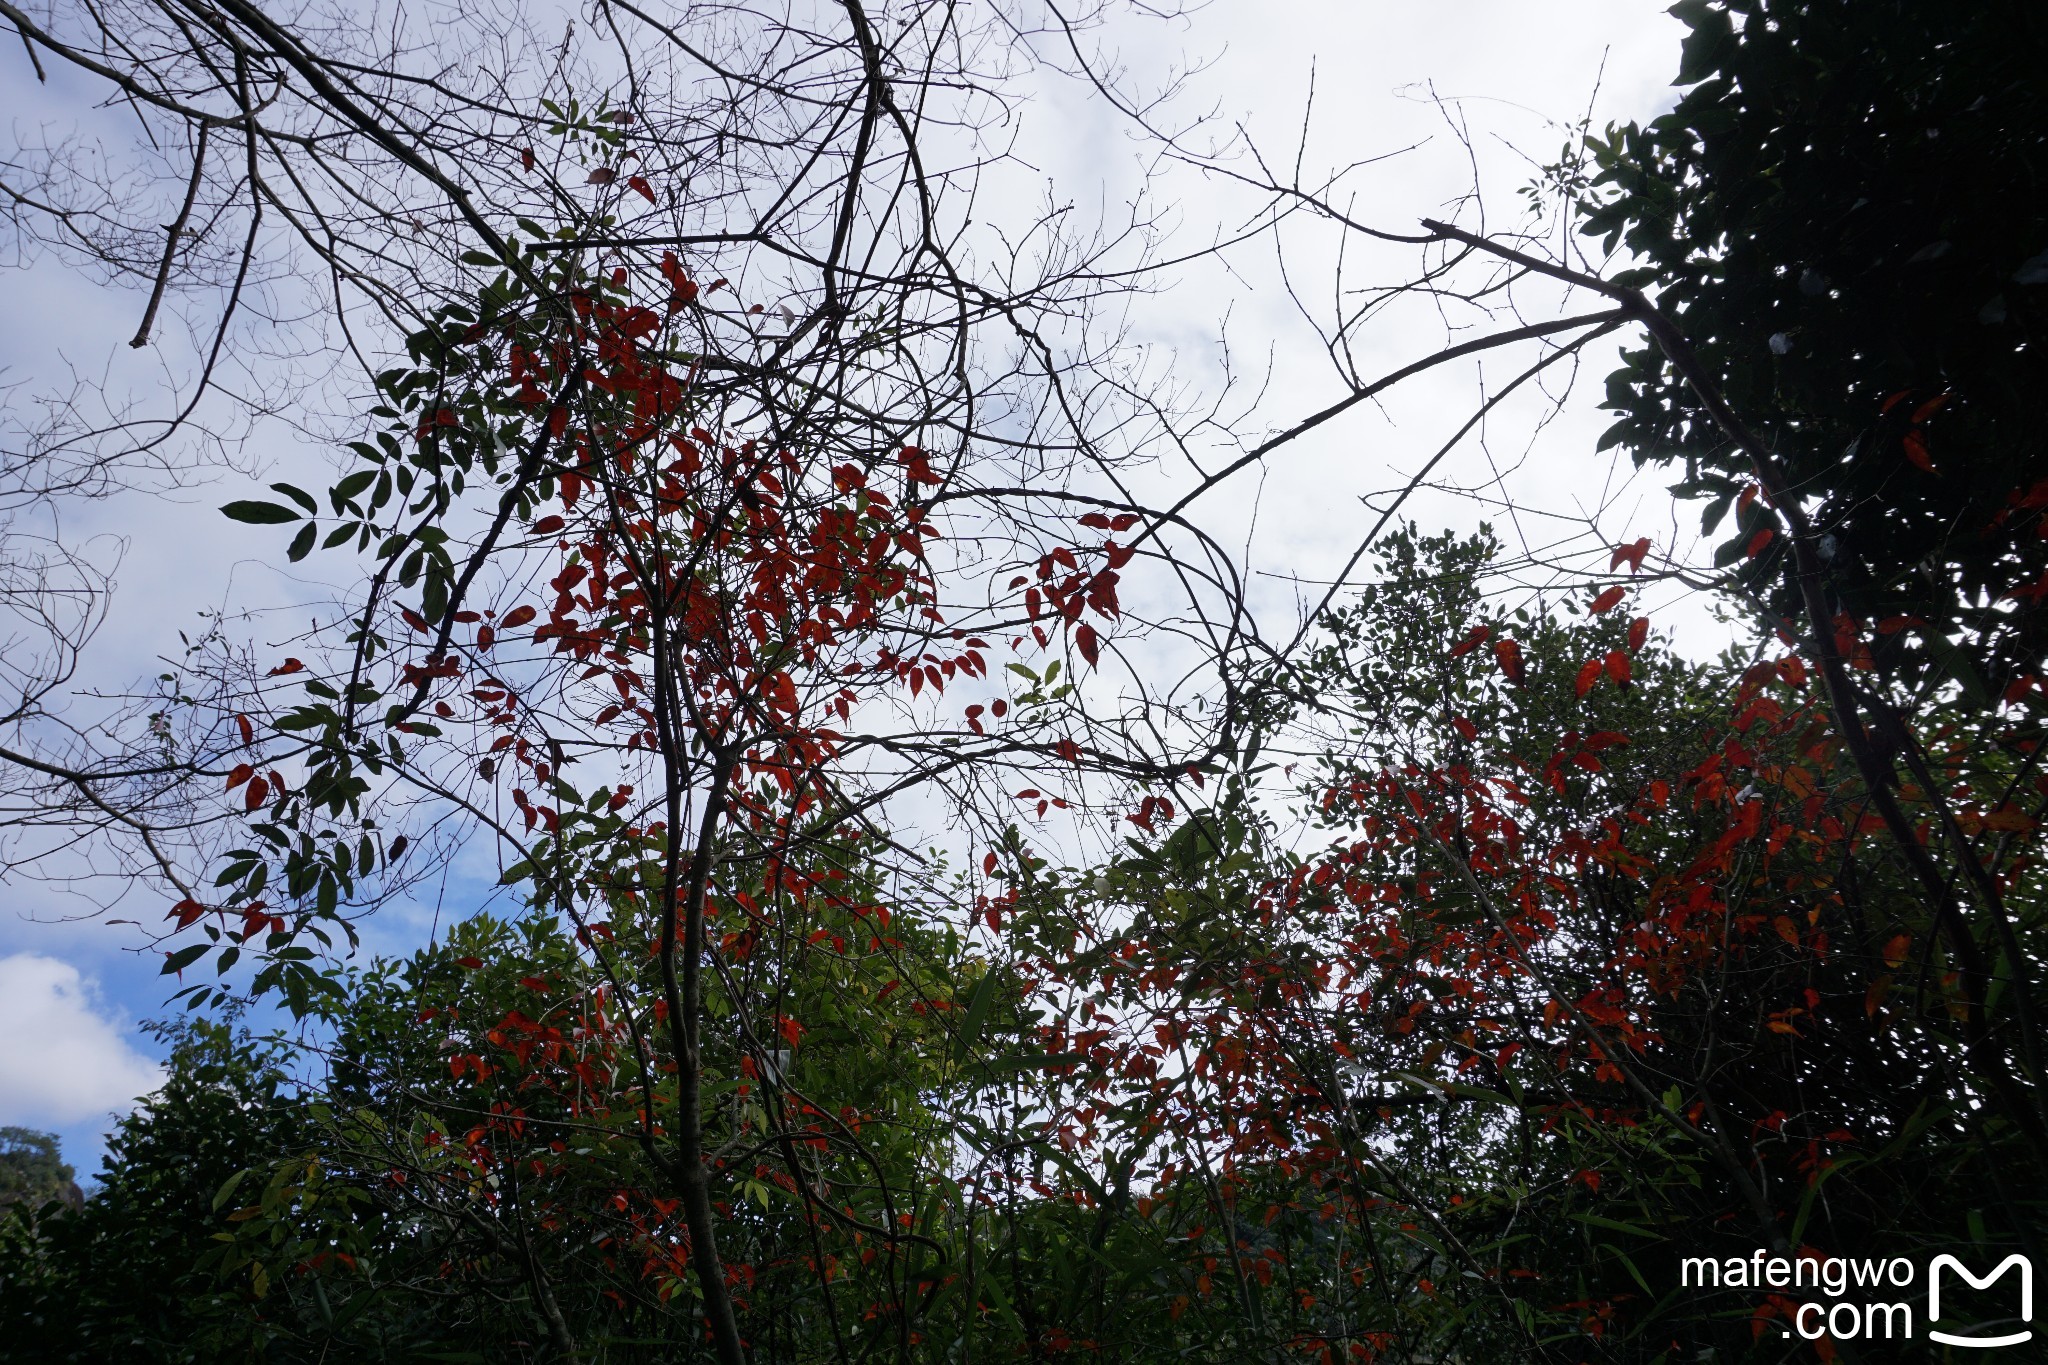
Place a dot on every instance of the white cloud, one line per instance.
(66, 1060)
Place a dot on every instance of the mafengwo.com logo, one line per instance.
(1861, 1299)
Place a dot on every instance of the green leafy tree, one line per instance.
(1846, 215)
(32, 1170)
(125, 1277)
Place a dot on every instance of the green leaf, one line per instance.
(259, 513)
(297, 495)
(227, 1191)
(183, 958)
(977, 1014)
(302, 543)
(1716, 510)
(349, 488)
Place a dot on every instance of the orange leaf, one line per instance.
(517, 617)
(1638, 632)
(1607, 599)
(1618, 666)
(1589, 674)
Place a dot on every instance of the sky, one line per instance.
(1389, 79)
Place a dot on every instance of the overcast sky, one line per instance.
(1386, 75)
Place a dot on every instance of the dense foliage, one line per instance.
(31, 1169)
(1846, 213)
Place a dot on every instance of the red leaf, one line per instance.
(1094, 520)
(1618, 666)
(1606, 600)
(1589, 673)
(526, 158)
(256, 795)
(518, 617)
(1085, 641)
(469, 963)
(791, 1029)
(1465, 727)
(1473, 639)
(1916, 450)
(1508, 655)
(248, 730)
(603, 175)
(1757, 543)
(638, 184)
(1638, 632)
(242, 773)
(288, 666)
(1630, 554)
(1929, 408)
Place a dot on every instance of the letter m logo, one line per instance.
(2026, 1298)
